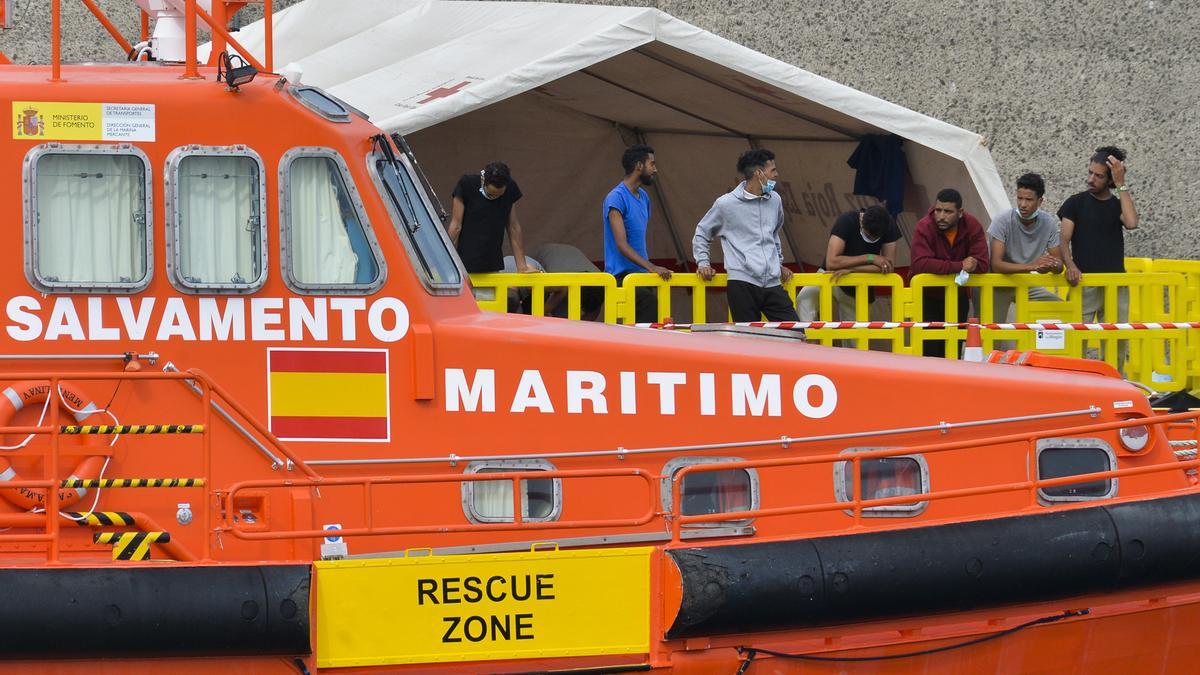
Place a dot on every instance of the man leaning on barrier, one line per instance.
(1024, 240)
(1093, 233)
(948, 240)
(861, 241)
(747, 220)
(626, 213)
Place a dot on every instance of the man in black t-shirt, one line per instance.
(484, 208)
(860, 241)
(1093, 234)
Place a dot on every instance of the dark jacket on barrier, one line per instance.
(934, 253)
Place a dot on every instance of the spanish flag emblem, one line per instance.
(328, 394)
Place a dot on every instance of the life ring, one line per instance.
(20, 395)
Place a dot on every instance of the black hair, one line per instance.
(638, 152)
(752, 160)
(876, 221)
(1101, 158)
(1032, 181)
(497, 174)
(950, 195)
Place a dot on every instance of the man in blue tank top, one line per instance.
(626, 214)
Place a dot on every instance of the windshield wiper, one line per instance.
(389, 156)
(402, 143)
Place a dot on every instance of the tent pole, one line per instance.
(787, 220)
(666, 211)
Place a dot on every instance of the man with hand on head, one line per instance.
(747, 221)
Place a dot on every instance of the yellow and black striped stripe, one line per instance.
(110, 429)
(132, 482)
(131, 545)
(101, 518)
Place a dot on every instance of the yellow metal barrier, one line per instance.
(569, 285)
(1157, 358)
(1152, 291)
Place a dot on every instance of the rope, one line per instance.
(751, 652)
(883, 325)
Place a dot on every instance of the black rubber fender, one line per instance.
(916, 571)
(155, 611)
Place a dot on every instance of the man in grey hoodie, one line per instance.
(747, 221)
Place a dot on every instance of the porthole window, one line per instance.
(87, 218)
(708, 492)
(217, 241)
(491, 501)
(1062, 457)
(327, 242)
(883, 477)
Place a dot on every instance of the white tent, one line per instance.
(558, 90)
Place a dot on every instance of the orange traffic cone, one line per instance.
(973, 351)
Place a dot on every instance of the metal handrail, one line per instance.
(518, 523)
(857, 504)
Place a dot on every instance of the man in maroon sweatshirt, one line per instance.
(947, 240)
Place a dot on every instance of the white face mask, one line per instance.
(866, 239)
(483, 191)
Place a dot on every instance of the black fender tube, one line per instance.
(214, 610)
(943, 568)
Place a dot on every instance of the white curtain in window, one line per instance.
(91, 218)
(218, 206)
(494, 498)
(320, 248)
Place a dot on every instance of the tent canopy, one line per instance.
(558, 90)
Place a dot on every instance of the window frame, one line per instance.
(171, 186)
(505, 465)
(432, 287)
(887, 511)
(285, 226)
(673, 465)
(29, 199)
(1044, 444)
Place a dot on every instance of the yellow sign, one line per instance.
(52, 121)
(434, 609)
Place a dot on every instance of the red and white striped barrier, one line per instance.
(798, 325)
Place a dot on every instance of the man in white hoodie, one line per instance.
(747, 221)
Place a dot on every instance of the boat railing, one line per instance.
(210, 393)
(369, 484)
(216, 23)
(855, 504)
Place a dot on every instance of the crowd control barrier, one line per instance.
(1156, 292)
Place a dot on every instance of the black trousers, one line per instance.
(747, 302)
(934, 304)
(645, 302)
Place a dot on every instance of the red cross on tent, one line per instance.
(443, 92)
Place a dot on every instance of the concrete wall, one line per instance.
(1046, 81)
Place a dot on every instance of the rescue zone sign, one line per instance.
(435, 609)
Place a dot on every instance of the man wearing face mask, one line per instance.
(747, 220)
(1023, 240)
(948, 240)
(484, 208)
(860, 241)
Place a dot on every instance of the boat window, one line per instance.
(491, 501)
(423, 236)
(708, 492)
(217, 241)
(86, 218)
(327, 242)
(321, 103)
(1061, 457)
(883, 477)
